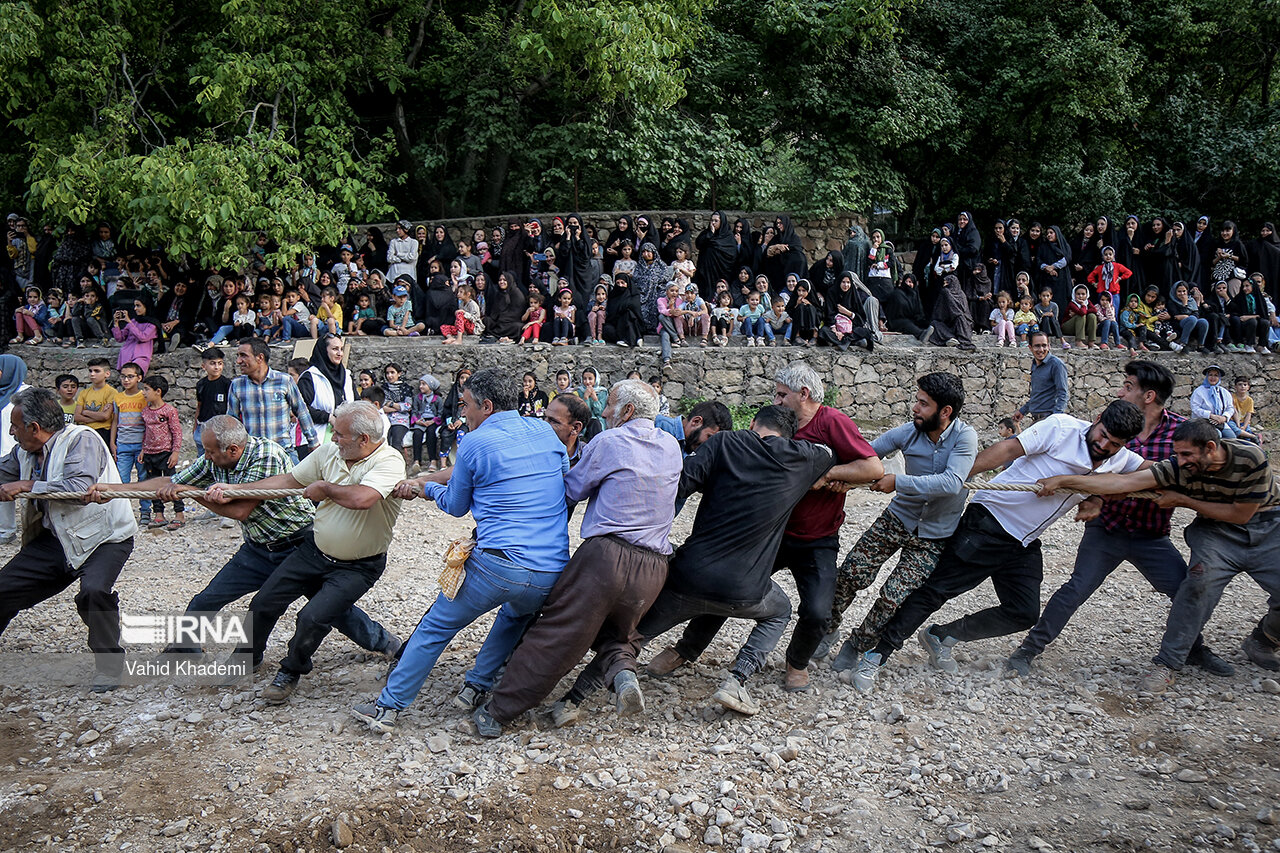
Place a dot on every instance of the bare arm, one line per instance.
(1100, 484)
(858, 471)
(1230, 513)
(997, 455)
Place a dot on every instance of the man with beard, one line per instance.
(1236, 498)
(999, 535)
(937, 450)
(704, 420)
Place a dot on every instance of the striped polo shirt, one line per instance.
(1245, 478)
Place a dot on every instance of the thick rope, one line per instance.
(267, 494)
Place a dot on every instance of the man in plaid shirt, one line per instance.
(272, 528)
(266, 400)
(1130, 529)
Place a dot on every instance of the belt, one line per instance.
(499, 553)
(285, 544)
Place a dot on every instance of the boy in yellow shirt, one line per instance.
(96, 405)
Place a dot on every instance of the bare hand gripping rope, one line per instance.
(268, 494)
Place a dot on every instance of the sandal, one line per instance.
(174, 525)
(16, 340)
(36, 341)
(156, 522)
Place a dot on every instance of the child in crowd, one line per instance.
(400, 320)
(57, 322)
(1133, 328)
(295, 316)
(162, 439)
(564, 382)
(96, 405)
(466, 320)
(268, 324)
(1001, 319)
(1108, 325)
(129, 431)
(1007, 428)
(547, 273)
(533, 319)
(30, 318)
(244, 319)
(695, 319)
(1107, 277)
(595, 317)
(1164, 322)
(670, 332)
(777, 322)
(1024, 319)
(364, 311)
(1046, 311)
(373, 394)
(295, 368)
(212, 391)
(68, 389)
(565, 320)
(664, 405)
(682, 268)
(89, 318)
(424, 420)
(1081, 319)
(625, 264)
(752, 316)
(1243, 404)
(453, 424)
(532, 401)
(804, 315)
(397, 403)
(328, 314)
(592, 395)
(723, 318)
(342, 271)
(364, 379)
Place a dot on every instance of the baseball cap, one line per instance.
(399, 290)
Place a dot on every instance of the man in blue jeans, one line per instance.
(510, 476)
(273, 529)
(1130, 529)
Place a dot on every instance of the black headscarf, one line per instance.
(717, 254)
(968, 243)
(626, 234)
(335, 373)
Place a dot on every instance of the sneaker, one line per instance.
(281, 687)
(1259, 649)
(939, 650)
(486, 725)
(144, 519)
(1019, 663)
(824, 647)
(640, 344)
(392, 648)
(759, 342)
(379, 718)
(848, 656)
(735, 697)
(564, 713)
(751, 342)
(1159, 679)
(1203, 657)
(623, 344)
(1262, 351)
(1066, 345)
(666, 662)
(1175, 346)
(952, 342)
(104, 682)
(469, 697)
(629, 698)
(864, 677)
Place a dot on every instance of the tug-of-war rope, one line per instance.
(268, 494)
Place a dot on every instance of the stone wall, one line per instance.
(819, 235)
(876, 389)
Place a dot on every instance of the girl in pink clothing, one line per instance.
(1002, 320)
(137, 336)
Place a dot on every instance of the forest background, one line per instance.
(185, 122)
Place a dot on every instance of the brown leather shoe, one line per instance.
(797, 680)
(664, 663)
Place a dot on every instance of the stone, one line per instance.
(1267, 815)
(756, 841)
(87, 737)
(713, 837)
(1189, 775)
(194, 717)
(562, 782)
(176, 828)
(438, 744)
(341, 834)
(1216, 804)
(1270, 685)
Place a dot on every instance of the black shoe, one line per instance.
(848, 656)
(1019, 663)
(281, 687)
(1262, 651)
(1203, 657)
(486, 725)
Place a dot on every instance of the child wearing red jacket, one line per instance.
(1107, 276)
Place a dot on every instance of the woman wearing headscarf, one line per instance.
(882, 266)
(824, 274)
(846, 324)
(1185, 254)
(374, 250)
(1264, 254)
(1128, 243)
(951, 322)
(784, 254)
(923, 267)
(1226, 253)
(717, 253)
(903, 311)
(646, 232)
(504, 306)
(1084, 255)
(745, 238)
(968, 243)
(678, 236)
(70, 260)
(137, 334)
(13, 378)
(576, 264)
(649, 280)
(857, 247)
(623, 233)
(623, 321)
(180, 311)
(441, 247)
(1053, 261)
(326, 384)
(1159, 265)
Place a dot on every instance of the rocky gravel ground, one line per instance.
(1072, 758)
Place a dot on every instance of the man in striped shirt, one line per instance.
(1236, 498)
(264, 399)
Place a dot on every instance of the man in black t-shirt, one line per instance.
(723, 570)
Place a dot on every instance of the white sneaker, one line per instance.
(735, 697)
(864, 677)
(751, 342)
(939, 651)
(759, 342)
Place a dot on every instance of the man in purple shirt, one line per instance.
(629, 473)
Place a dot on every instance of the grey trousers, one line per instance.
(1219, 552)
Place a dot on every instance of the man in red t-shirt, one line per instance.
(811, 542)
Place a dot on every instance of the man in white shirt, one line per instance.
(999, 534)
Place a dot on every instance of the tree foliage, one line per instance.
(188, 123)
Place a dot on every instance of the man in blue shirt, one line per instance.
(1048, 382)
(937, 450)
(703, 421)
(509, 475)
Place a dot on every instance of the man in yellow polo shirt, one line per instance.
(351, 479)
